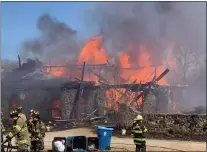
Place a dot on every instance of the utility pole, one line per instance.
(20, 65)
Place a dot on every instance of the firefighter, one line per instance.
(138, 131)
(29, 121)
(19, 131)
(38, 130)
(21, 114)
(31, 113)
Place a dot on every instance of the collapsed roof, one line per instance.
(27, 79)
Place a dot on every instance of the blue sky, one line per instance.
(19, 21)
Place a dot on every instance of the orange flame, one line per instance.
(146, 72)
(56, 72)
(124, 61)
(93, 52)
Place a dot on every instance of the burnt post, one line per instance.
(83, 70)
(20, 65)
(153, 83)
(142, 105)
(71, 74)
(78, 94)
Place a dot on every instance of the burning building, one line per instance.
(31, 87)
(66, 91)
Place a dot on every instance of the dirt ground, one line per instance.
(126, 144)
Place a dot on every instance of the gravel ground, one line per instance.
(126, 143)
(118, 143)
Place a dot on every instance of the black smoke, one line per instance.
(56, 40)
(135, 23)
(155, 24)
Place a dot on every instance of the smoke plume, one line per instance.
(138, 23)
(156, 24)
(127, 26)
(56, 40)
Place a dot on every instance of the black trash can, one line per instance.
(79, 143)
(93, 144)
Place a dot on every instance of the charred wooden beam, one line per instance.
(137, 93)
(124, 94)
(115, 71)
(78, 94)
(83, 70)
(152, 83)
(87, 85)
(99, 76)
(97, 65)
(69, 66)
(77, 79)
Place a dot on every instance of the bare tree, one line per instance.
(191, 70)
(187, 61)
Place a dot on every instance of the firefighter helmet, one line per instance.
(36, 114)
(13, 113)
(139, 117)
(19, 108)
(31, 111)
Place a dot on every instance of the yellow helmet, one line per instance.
(139, 117)
(13, 113)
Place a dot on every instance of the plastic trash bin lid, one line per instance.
(104, 128)
(100, 127)
(69, 138)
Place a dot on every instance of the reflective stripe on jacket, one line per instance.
(139, 131)
(20, 132)
(38, 129)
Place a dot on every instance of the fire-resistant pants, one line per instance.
(141, 147)
(22, 148)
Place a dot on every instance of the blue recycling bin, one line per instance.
(104, 135)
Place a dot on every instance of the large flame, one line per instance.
(93, 52)
(146, 72)
(124, 61)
